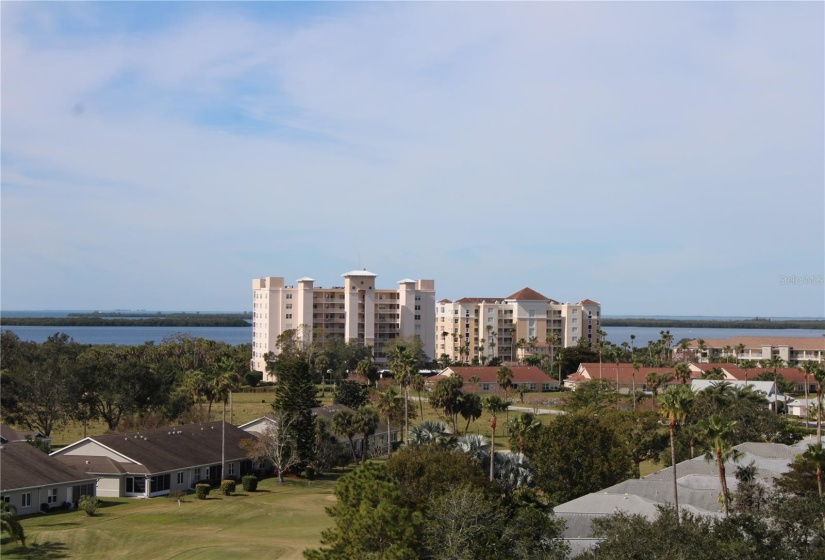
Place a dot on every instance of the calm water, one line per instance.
(133, 336)
(617, 335)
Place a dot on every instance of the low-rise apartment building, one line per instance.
(358, 312)
(792, 350)
(512, 328)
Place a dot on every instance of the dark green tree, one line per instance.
(351, 394)
(295, 396)
(371, 520)
(575, 454)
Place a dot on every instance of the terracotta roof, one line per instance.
(754, 342)
(487, 374)
(589, 302)
(529, 294)
(626, 372)
(179, 447)
(788, 373)
(25, 466)
(445, 301)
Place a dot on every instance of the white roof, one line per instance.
(766, 387)
(406, 281)
(364, 272)
(305, 279)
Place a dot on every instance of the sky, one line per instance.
(660, 158)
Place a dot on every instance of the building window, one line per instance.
(160, 483)
(26, 500)
(289, 315)
(180, 478)
(575, 312)
(7, 499)
(418, 308)
(289, 306)
(51, 497)
(289, 296)
(575, 329)
(196, 474)
(575, 338)
(575, 320)
(230, 470)
(418, 317)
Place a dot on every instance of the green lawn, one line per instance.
(277, 522)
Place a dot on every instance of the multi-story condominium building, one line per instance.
(513, 327)
(356, 311)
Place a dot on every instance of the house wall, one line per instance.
(92, 448)
(110, 486)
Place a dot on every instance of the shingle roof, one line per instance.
(180, 447)
(626, 372)
(25, 466)
(100, 465)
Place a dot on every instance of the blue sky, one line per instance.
(661, 158)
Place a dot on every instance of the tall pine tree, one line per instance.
(295, 395)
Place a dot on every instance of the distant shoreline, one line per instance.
(127, 319)
(756, 323)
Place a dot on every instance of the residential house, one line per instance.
(625, 376)
(526, 378)
(377, 442)
(149, 463)
(33, 481)
(10, 435)
(697, 482)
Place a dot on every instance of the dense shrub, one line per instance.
(89, 504)
(227, 487)
(202, 491)
(250, 483)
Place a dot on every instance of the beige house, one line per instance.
(357, 311)
(513, 327)
(32, 481)
(150, 463)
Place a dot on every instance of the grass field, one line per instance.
(276, 522)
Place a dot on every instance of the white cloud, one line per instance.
(554, 134)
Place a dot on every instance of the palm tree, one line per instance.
(774, 362)
(810, 368)
(11, 525)
(403, 363)
(682, 372)
(390, 406)
(431, 432)
(418, 383)
(740, 348)
(747, 365)
(504, 376)
(786, 386)
(816, 453)
(675, 405)
(366, 422)
(344, 424)
(495, 406)
(221, 388)
(470, 408)
(819, 375)
(474, 379)
(521, 426)
(367, 369)
(718, 434)
(514, 471)
(633, 379)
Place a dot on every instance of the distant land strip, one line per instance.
(757, 323)
(130, 320)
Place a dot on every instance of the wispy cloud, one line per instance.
(623, 152)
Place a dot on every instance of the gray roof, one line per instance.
(25, 466)
(167, 449)
(698, 485)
